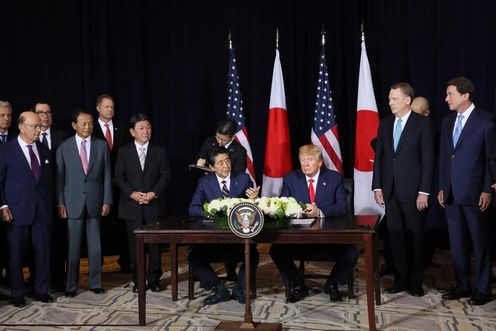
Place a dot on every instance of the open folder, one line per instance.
(201, 169)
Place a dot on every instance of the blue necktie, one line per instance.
(397, 134)
(458, 129)
(3, 138)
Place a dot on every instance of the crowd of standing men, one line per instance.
(55, 187)
(101, 172)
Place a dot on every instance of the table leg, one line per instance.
(140, 265)
(377, 278)
(369, 279)
(173, 259)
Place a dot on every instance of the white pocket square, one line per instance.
(47, 162)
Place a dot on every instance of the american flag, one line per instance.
(325, 130)
(235, 112)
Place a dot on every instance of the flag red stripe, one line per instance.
(332, 154)
(278, 146)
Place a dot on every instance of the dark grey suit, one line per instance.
(83, 196)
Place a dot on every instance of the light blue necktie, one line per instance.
(397, 134)
(458, 129)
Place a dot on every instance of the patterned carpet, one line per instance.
(117, 309)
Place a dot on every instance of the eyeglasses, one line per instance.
(34, 126)
(44, 113)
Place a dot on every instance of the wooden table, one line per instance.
(174, 231)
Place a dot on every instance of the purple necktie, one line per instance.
(35, 165)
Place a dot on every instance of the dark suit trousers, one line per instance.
(405, 227)
(202, 255)
(154, 255)
(18, 238)
(59, 250)
(465, 224)
(284, 255)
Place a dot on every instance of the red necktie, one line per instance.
(108, 136)
(311, 190)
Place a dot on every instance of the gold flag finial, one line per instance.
(229, 38)
(277, 38)
(323, 33)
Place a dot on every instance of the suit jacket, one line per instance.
(408, 170)
(130, 178)
(463, 170)
(11, 134)
(330, 194)
(20, 190)
(121, 138)
(76, 190)
(208, 189)
(237, 154)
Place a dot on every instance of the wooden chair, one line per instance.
(192, 278)
(349, 186)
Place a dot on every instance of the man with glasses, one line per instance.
(224, 138)
(25, 206)
(52, 138)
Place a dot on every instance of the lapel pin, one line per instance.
(324, 183)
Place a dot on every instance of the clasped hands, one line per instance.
(143, 198)
(312, 210)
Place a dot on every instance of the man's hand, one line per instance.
(484, 200)
(379, 198)
(62, 211)
(422, 203)
(150, 196)
(493, 186)
(312, 210)
(140, 197)
(105, 209)
(7, 215)
(201, 162)
(252, 193)
(440, 198)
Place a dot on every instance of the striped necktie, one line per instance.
(224, 189)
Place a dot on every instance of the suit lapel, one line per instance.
(303, 186)
(409, 126)
(93, 150)
(467, 128)
(25, 163)
(215, 184)
(73, 149)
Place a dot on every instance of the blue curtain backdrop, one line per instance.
(169, 59)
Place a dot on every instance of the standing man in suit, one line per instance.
(224, 137)
(142, 173)
(116, 135)
(84, 195)
(465, 188)
(323, 192)
(25, 203)
(215, 185)
(5, 135)
(52, 138)
(402, 182)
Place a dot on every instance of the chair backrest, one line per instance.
(349, 187)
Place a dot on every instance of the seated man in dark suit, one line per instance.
(215, 185)
(323, 192)
(224, 137)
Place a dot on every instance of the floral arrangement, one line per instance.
(275, 208)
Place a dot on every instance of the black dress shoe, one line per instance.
(70, 294)
(218, 296)
(457, 293)
(416, 291)
(238, 294)
(45, 298)
(18, 302)
(155, 287)
(479, 299)
(98, 290)
(332, 289)
(297, 293)
(396, 288)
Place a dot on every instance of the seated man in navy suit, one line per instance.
(218, 184)
(323, 192)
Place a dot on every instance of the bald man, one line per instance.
(26, 206)
(420, 105)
